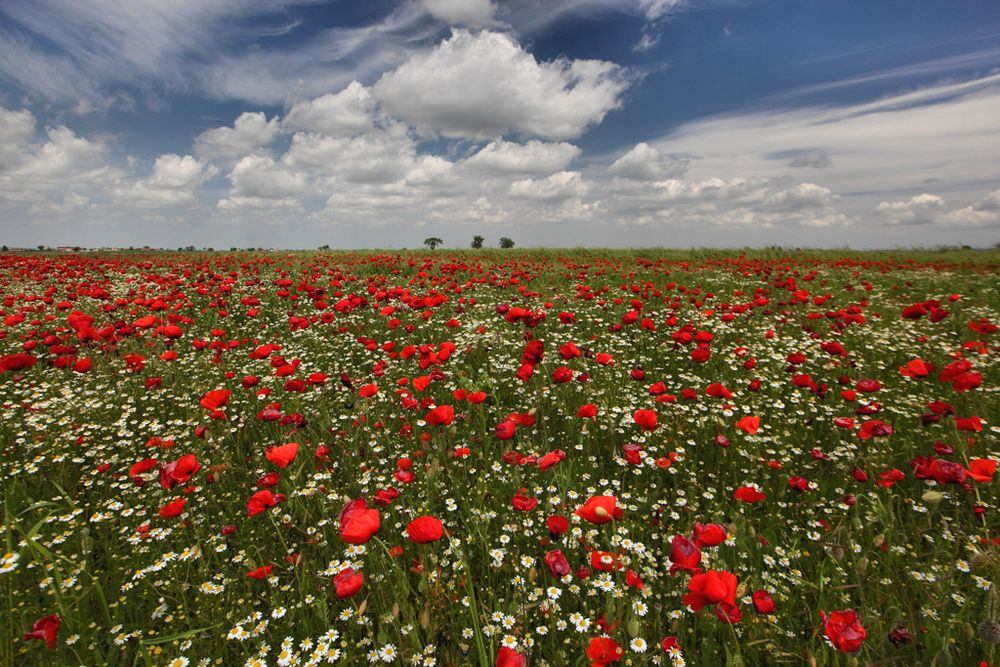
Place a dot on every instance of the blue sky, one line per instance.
(554, 122)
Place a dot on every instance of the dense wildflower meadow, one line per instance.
(500, 458)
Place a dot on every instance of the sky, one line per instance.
(621, 123)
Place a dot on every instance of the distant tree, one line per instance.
(433, 242)
(506, 243)
(41, 247)
(325, 246)
(477, 241)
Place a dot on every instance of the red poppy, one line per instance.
(557, 525)
(604, 561)
(505, 429)
(523, 503)
(347, 582)
(425, 529)
(45, 628)
(262, 500)
(557, 563)
(216, 399)
(603, 650)
(508, 657)
(844, 630)
(173, 508)
(709, 535)
(763, 603)
(18, 361)
(600, 509)
(179, 471)
(748, 494)
(552, 458)
(684, 555)
(358, 522)
(646, 419)
(262, 572)
(749, 424)
(711, 587)
(982, 470)
(282, 455)
(442, 415)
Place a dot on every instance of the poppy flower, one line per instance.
(348, 582)
(557, 563)
(216, 399)
(262, 500)
(179, 471)
(684, 555)
(358, 522)
(45, 628)
(709, 534)
(262, 572)
(844, 630)
(523, 503)
(709, 588)
(557, 525)
(552, 458)
(873, 429)
(425, 529)
(604, 561)
(282, 455)
(173, 508)
(749, 424)
(982, 470)
(603, 650)
(508, 657)
(505, 430)
(16, 362)
(763, 603)
(646, 419)
(600, 509)
(748, 494)
(442, 415)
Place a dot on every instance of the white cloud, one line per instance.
(533, 157)
(258, 181)
(251, 130)
(486, 85)
(559, 186)
(657, 9)
(173, 182)
(645, 163)
(16, 127)
(984, 213)
(348, 112)
(870, 152)
(922, 209)
(472, 13)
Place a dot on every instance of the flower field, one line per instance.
(500, 458)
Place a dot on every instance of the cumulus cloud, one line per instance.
(645, 163)
(486, 85)
(559, 186)
(532, 157)
(984, 213)
(922, 209)
(472, 13)
(173, 182)
(250, 131)
(348, 112)
(34, 171)
(258, 181)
